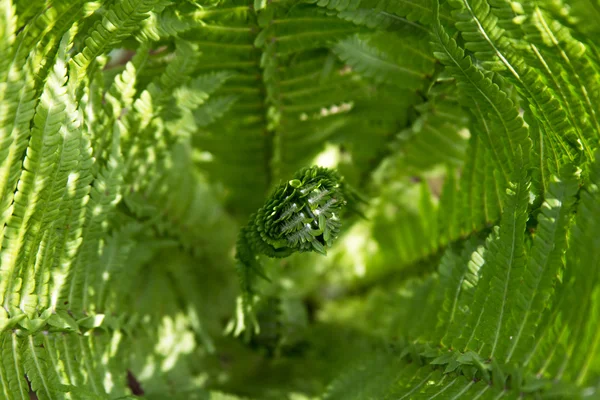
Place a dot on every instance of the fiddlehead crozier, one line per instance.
(303, 214)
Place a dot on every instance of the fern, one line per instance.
(301, 215)
(139, 137)
(411, 70)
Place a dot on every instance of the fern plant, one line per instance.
(140, 138)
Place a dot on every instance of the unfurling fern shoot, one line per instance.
(303, 214)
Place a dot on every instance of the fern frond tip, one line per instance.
(301, 215)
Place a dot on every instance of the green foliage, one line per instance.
(139, 137)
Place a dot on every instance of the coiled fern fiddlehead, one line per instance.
(303, 214)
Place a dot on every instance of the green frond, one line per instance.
(568, 323)
(459, 276)
(119, 21)
(492, 108)
(280, 118)
(106, 190)
(14, 383)
(437, 136)
(213, 110)
(574, 78)
(121, 93)
(15, 119)
(179, 203)
(44, 153)
(545, 260)
(37, 366)
(405, 377)
(412, 10)
(303, 28)
(367, 380)
(372, 56)
(7, 35)
(373, 18)
(480, 189)
(551, 71)
(173, 22)
(496, 295)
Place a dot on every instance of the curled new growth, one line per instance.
(303, 214)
